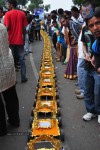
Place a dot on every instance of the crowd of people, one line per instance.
(75, 36)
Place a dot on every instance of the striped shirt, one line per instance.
(75, 28)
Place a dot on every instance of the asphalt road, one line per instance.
(79, 135)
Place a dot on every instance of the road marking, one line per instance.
(34, 68)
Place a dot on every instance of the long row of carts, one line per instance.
(45, 122)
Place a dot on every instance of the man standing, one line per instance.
(91, 77)
(76, 22)
(95, 29)
(16, 22)
(37, 28)
(9, 102)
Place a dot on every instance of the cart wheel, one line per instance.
(57, 95)
(60, 122)
(30, 122)
(40, 66)
(55, 77)
(38, 84)
(38, 79)
(62, 135)
(56, 88)
(34, 104)
(58, 103)
(32, 113)
(58, 112)
(36, 89)
(55, 84)
(35, 95)
(29, 135)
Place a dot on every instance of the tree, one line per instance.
(35, 4)
(47, 7)
(22, 2)
(2, 3)
(79, 2)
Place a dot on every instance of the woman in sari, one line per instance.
(73, 30)
(71, 70)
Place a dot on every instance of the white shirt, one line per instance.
(80, 47)
(7, 69)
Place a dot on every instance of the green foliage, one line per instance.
(2, 3)
(22, 2)
(47, 7)
(96, 2)
(35, 4)
(79, 2)
(31, 6)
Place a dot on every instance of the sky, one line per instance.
(56, 4)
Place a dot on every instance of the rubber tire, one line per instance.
(29, 136)
(34, 104)
(58, 112)
(32, 113)
(62, 135)
(58, 103)
(30, 122)
(60, 122)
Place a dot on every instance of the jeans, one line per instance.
(18, 53)
(64, 51)
(50, 31)
(80, 73)
(54, 40)
(9, 101)
(92, 91)
(37, 35)
(27, 49)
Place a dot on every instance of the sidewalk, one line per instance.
(79, 135)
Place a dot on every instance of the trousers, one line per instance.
(80, 73)
(18, 54)
(92, 91)
(9, 103)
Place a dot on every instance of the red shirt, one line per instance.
(16, 21)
